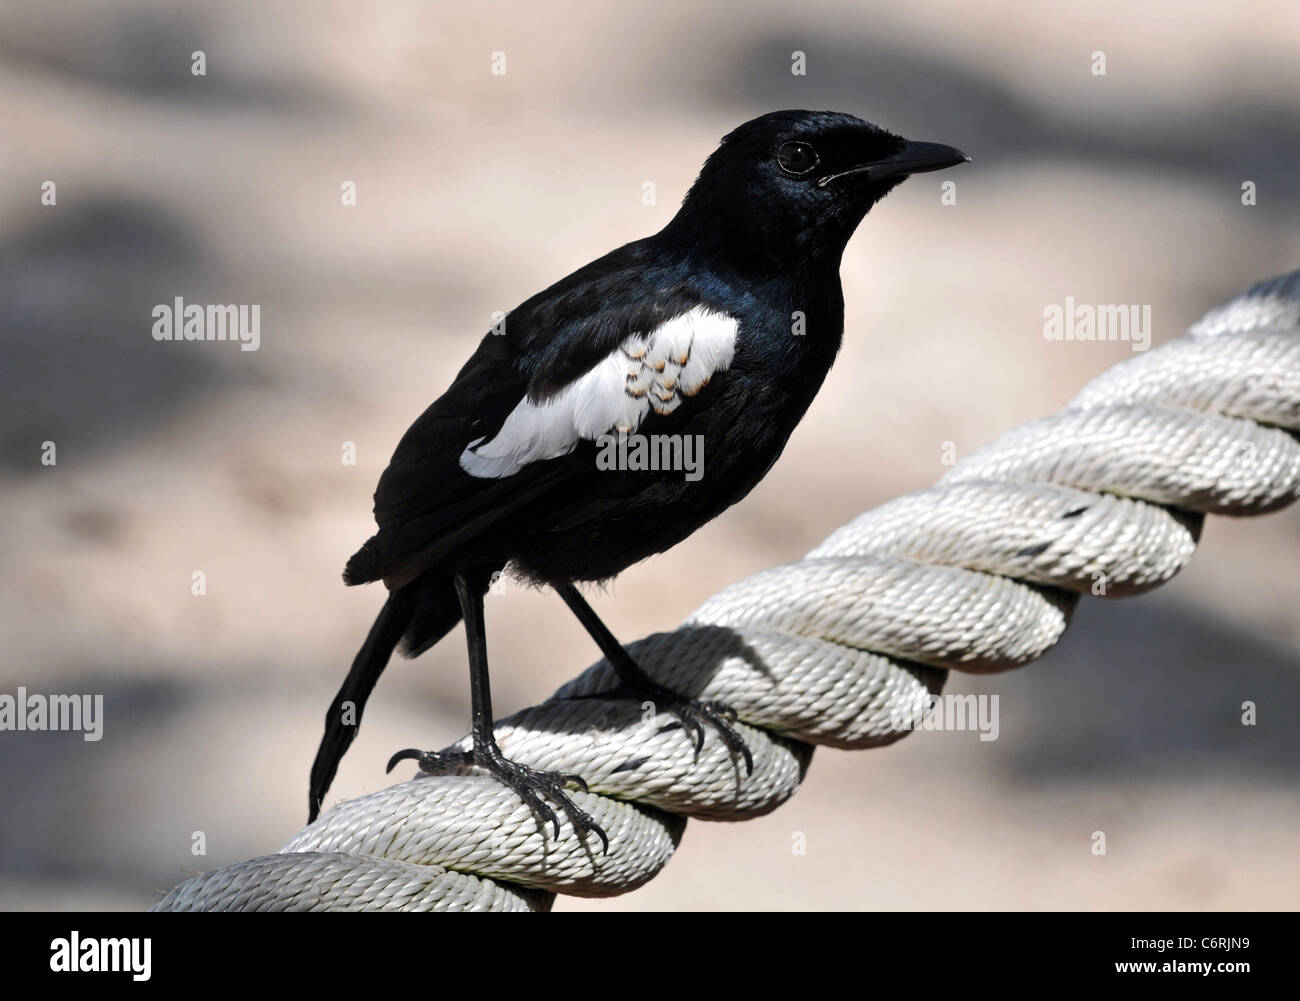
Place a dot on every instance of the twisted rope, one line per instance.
(979, 573)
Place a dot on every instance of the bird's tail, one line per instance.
(417, 616)
(343, 718)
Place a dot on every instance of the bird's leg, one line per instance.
(635, 683)
(530, 784)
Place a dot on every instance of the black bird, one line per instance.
(723, 325)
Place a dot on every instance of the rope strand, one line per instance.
(979, 573)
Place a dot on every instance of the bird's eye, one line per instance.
(797, 158)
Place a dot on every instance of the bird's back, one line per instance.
(467, 485)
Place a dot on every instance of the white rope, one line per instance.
(979, 573)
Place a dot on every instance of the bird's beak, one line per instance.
(913, 158)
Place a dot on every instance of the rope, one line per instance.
(979, 573)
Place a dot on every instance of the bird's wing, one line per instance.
(650, 371)
(595, 354)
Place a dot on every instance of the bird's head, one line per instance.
(792, 186)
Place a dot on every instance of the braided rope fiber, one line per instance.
(979, 573)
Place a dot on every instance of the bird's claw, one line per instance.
(410, 753)
(529, 784)
(692, 715)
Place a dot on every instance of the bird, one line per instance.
(717, 330)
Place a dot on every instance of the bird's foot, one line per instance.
(529, 784)
(692, 714)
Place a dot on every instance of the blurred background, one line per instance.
(475, 190)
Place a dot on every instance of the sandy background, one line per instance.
(473, 192)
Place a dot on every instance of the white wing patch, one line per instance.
(647, 371)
